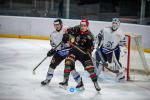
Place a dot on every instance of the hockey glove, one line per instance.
(90, 50)
(51, 52)
(65, 38)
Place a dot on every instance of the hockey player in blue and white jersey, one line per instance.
(59, 54)
(108, 47)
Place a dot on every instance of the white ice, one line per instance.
(18, 57)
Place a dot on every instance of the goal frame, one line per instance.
(128, 66)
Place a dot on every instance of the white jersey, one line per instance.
(110, 38)
(56, 38)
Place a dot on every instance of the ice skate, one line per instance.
(97, 86)
(45, 82)
(120, 76)
(64, 84)
(80, 86)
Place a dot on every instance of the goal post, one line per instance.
(134, 61)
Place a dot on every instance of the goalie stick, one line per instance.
(113, 71)
(45, 58)
(113, 60)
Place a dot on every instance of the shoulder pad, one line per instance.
(90, 36)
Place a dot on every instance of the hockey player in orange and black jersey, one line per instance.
(81, 40)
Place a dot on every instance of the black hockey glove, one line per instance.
(65, 38)
(51, 52)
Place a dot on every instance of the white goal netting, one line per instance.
(133, 58)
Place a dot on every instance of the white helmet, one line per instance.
(115, 23)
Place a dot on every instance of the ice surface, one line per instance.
(18, 57)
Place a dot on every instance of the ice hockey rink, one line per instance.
(18, 57)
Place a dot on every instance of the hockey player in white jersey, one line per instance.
(108, 48)
(59, 54)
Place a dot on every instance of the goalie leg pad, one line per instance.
(117, 57)
(109, 57)
(98, 59)
(117, 53)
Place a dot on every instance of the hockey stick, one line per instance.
(45, 59)
(101, 57)
(39, 64)
(77, 48)
(113, 60)
(113, 71)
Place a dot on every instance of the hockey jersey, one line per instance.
(83, 40)
(56, 38)
(108, 38)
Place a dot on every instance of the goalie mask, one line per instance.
(115, 24)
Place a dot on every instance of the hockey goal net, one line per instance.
(133, 58)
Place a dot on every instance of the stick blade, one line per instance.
(33, 73)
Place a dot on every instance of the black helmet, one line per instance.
(58, 21)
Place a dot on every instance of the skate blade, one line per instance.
(121, 80)
(45, 84)
(80, 89)
(98, 90)
(63, 87)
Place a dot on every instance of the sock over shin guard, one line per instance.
(93, 75)
(76, 76)
(69, 66)
(50, 73)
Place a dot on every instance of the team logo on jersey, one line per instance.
(109, 44)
